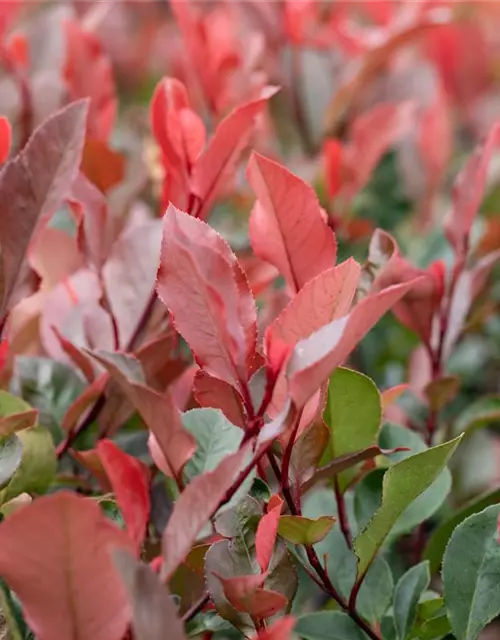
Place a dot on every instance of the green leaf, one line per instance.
(471, 574)
(12, 612)
(300, 530)
(353, 413)
(481, 413)
(260, 491)
(426, 505)
(403, 483)
(10, 404)
(375, 594)
(407, 595)
(215, 436)
(38, 464)
(432, 622)
(438, 540)
(328, 625)
(11, 453)
(49, 386)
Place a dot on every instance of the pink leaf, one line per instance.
(84, 52)
(194, 508)
(33, 184)
(267, 530)
(468, 192)
(324, 298)
(157, 411)
(282, 629)
(205, 290)
(129, 275)
(286, 226)
(316, 357)
(215, 393)
(55, 554)
(130, 483)
(215, 165)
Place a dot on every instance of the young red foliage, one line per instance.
(33, 184)
(5, 139)
(55, 554)
(281, 629)
(129, 479)
(246, 594)
(267, 530)
(286, 225)
(205, 290)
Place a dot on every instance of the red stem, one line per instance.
(342, 512)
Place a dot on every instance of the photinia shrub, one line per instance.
(249, 321)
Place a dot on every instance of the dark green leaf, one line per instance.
(471, 574)
(438, 540)
(11, 452)
(328, 625)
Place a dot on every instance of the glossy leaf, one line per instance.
(403, 483)
(33, 184)
(407, 595)
(195, 506)
(215, 393)
(471, 566)
(153, 609)
(130, 483)
(204, 288)
(246, 594)
(286, 225)
(65, 594)
(300, 530)
(353, 412)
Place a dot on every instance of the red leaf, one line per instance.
(85, 52)
(286, 226)
(468, 192)
(282, 629)
(316, 357)
(267, 530)
(153, 608)
(179, 131)
(205, 290)
(194, 508)
(130, 482)
(390, 396)
(96, 231)
(104, 167)
(129, 275)
(5, 139)
(55, 554)
(33, 184)
(215, 165)
(324, 298)
(215, 393)
(91, 461)
(157, 411)
(245, 594)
